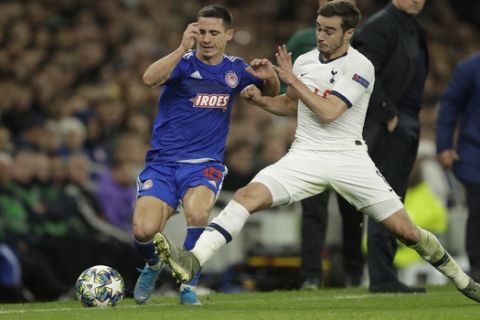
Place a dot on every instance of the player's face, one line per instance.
(213, 39)
(332, 41)
(412, 7)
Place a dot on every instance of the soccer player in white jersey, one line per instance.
(329, 89)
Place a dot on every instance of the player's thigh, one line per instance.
(298, 175)
(199, 185)
(197, 204)
(149, 217)
(356, 178)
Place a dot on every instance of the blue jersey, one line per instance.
(194, 109)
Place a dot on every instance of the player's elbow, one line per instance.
(331, 112)
(327, 117)
(148, 80)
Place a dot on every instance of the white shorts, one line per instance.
(352, 174)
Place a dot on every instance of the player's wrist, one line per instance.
(182, 49)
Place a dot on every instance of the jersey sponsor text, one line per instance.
(211, 101)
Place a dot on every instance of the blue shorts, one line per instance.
(170, 181)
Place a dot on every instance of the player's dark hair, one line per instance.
(216, 11)
(344, 9)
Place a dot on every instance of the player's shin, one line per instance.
(220, 231)
(147, 251)
(432, 251)
(188, 293)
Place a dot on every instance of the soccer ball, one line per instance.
(100, 286)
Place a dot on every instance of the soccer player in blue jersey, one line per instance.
(185, 162)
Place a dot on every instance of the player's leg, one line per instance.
(199, 185)
(358, 181)
(149, 217)
(221, 230)
(156, 201)
(430, 249)
(197, 205)
(286, 181)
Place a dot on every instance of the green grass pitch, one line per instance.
(351, 304)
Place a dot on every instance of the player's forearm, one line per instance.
(279, 105)
(324, 108)
(159, 71)
(272, 87)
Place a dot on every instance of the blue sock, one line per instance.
(193, 233)
(147, 251)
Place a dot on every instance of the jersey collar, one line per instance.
(323, 61)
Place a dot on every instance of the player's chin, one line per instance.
(209, 52)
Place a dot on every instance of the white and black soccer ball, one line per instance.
(100, 286)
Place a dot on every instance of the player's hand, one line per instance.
(448, 157)
(262, 69)
(284, 65)
(190, 35)
(392, 124)
(251, 93)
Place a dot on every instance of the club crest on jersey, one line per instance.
(231, 79)
(211, 101)
(147, 184)
(364, 82)
(334, 73)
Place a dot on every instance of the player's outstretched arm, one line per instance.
(282, 105)
(159, 71)
(263, 69)
(327, 109)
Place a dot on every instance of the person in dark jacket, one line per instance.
(461, 103)
(395, 43)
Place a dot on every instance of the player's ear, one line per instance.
(349, 34)
(230, 33)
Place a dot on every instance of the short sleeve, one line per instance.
(180, 70)
(358, 77)
(248, 79)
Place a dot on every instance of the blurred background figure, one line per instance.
(396, 44)
(458, 145)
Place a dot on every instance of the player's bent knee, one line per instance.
(253, 197)
(242, 195)
(143, 231)
(142, 236)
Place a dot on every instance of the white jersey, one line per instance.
(332, 155)
(349, 77)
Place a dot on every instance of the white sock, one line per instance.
(222, 229)
(432, 251)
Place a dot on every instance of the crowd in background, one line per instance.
(75, 117)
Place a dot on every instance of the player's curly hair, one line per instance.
(342, 8)
(216, 11)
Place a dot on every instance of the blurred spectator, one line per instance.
(240, 159)
(458, 145)
(116, 193)
(20, 212)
